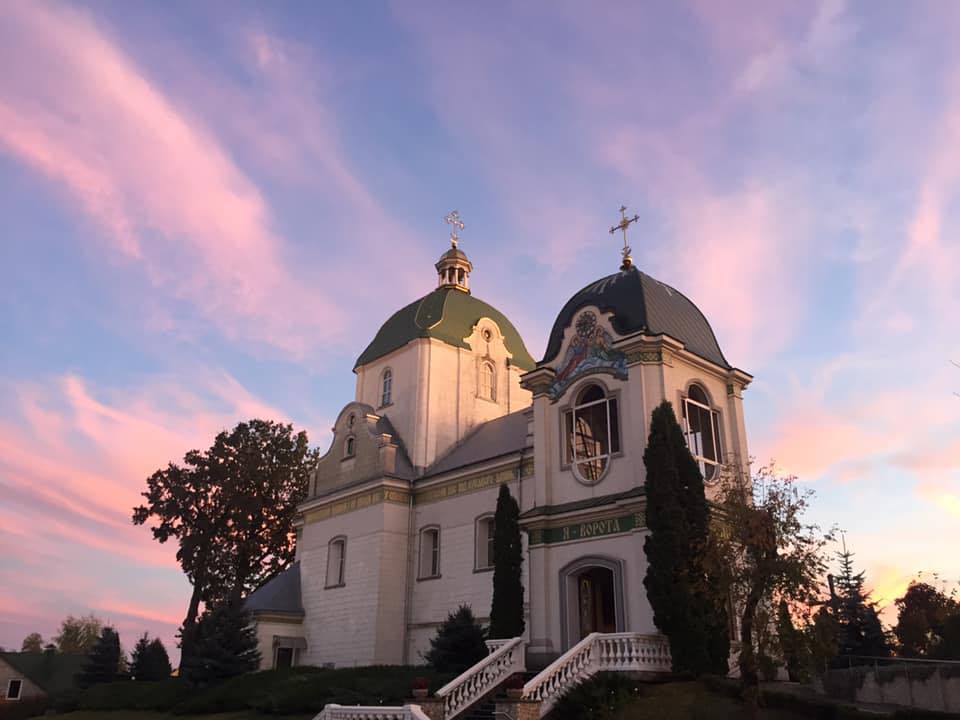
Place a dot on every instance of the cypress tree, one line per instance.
(103, 662)
(506, 611)
(685, 604)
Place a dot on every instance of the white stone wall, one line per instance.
(361, 622)
(459, 582)
(266, 630)
(546, 563)
(435, 399)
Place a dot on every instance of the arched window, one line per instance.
(336, 561)
(592, 431)
(429, 553)
(386, 391)
(487, 386)
(702, 428)
(351, 420)
(484, 542)
(349, 447)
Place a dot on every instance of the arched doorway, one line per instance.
(591, 598)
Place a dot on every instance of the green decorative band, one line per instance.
(586, 530)
(648, 356)
(466, 485)
(358, 502)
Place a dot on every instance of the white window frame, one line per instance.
(341, 572)
(695, 447)
(10, 682)
(569, 449)
(483, 542)
(433, 570)
(487, 391)
(386, 387)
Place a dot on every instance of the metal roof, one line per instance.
(494, 438)
(280, 594)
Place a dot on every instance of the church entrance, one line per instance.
(596, 601)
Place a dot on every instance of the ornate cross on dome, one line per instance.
(623, 225)
(453, 219)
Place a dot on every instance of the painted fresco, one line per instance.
(590, 351)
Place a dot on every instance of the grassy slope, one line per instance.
(691, 701)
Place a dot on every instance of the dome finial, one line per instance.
(623, 225)
(453, 268)
(453, 219)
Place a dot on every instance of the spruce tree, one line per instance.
(226, 645)
(458, 644)
(506, 611)
(149, 660)
(861, 632)
(103, 662)
(685, 603)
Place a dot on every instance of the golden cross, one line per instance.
(453, 219)
(624, 224)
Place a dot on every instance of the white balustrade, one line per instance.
(371, 712)
(475, 682)
(597, 652)
(494, 645)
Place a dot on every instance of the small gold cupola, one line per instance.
(453, 267)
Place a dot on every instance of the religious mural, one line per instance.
(590, 351)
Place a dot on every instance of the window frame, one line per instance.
(341, 576)
(568, 459)
(435, 553)
(386, 387)
(19, 695)
(487, 366)
(349, 447)
(486, 540)
(716, 426)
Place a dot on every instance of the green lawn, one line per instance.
(691, 701)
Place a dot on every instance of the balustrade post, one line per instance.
(433, 708)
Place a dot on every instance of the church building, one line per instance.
(397, 528)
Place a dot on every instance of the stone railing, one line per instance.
(494, 645)
(469, 687)
(597, 652)
(371, 712)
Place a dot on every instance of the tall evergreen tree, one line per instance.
(686, 605)
(149, 660)
(226, 645)
(458, 644)
(506, 611)
(103, 662)
(861, 632)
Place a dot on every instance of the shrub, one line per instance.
(599, 698)
(160, 695)
(458, 644)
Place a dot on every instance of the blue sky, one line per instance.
(208, 210)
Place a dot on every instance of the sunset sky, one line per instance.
(206, 212)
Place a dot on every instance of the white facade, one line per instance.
(393, 536)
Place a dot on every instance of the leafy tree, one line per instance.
(103, 662)
(685, 598)
(231, 510)
(506, 611)
(78, 635)
(948, 648)
(764, 552)
(149, 660)
(921, 614)
(458, 644)
(859, 623)
(32, 643)
(226, 645)
(792, 643)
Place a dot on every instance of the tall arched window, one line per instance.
(592, 431)
(386, 389)
(487, 386)
(702, 428)
(484, 542)
(429, 553)
(336, 561)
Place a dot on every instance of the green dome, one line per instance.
(447, 314)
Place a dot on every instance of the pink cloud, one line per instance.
(168, 195)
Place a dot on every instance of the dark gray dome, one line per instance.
(641, 303)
